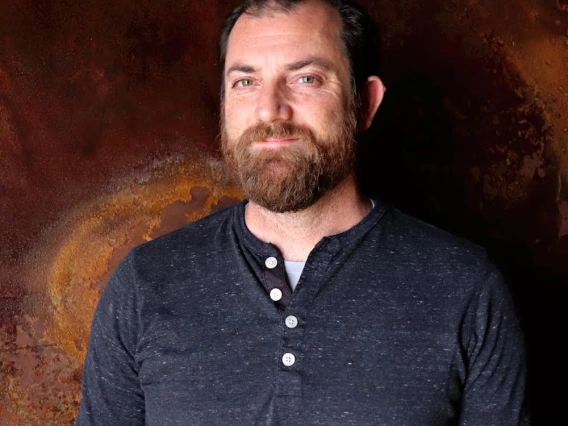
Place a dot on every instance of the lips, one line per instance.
(275, 142)
(280, 139)
(275, 135)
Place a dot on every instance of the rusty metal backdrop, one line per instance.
(108, 138)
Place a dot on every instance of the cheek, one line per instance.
(237, 118)
(320, 113)
(231, 121)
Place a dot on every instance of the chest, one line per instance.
(355, 349)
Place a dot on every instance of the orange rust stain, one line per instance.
(530, 40)
(37, 381)
(542, 62)
(103, 234)
(41, 359)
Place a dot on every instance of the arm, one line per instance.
(494, 389)
(111, 391)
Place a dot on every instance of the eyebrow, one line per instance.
(318, 62)
(238, 67)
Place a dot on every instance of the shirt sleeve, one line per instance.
(494, 389)
(111, 390)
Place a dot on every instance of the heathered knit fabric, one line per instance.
(399, 324)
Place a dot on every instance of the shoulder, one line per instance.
(448, 274)
(424, 254)
(196, 235)
(425, 241)
(188, 244)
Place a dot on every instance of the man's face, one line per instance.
(288, 119)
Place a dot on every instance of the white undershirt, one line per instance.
(294, 269)
(293, 272)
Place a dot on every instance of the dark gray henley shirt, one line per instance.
(393, 323)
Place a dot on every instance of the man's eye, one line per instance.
(308, 79)
(243, 82)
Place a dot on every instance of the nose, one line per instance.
(272, 104)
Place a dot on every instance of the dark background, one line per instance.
(108, 138)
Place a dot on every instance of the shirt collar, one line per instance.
(342, 239)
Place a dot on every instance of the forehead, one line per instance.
(310, 29)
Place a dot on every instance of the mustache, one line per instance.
(278, 130)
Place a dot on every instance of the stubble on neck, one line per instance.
(296, 233)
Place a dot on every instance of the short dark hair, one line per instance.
(360, 35)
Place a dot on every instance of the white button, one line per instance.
(271, 262)
(291, 321)
(288, 360)
(276, 294)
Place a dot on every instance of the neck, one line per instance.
(296, 234)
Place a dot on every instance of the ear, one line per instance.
(373, 93)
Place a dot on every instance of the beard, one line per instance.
(294, 177)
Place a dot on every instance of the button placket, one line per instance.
(275, 282)
(271, 262)
(291, 352)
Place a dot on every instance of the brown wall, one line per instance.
(108, 126)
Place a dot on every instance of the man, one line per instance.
(309, 304)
